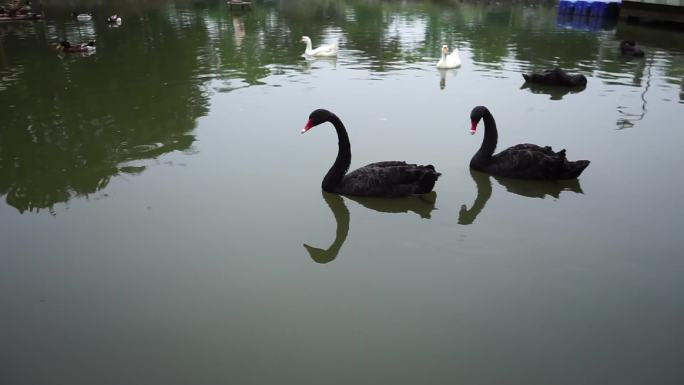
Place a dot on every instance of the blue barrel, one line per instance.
(598, 9)
(566, 7)
(582, 7)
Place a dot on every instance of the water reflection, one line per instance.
(422, 206)
(87, 120)
(484, 192)
(341, 213)
(310, 62)
(238, 31)
(443, 73)
(383, 36)
(526, 188)
(582, 22)
(555, 92)
(138, 96)
(540, 188)
(628, 119)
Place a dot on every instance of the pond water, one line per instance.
(162, 220)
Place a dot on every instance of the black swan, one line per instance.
(65, 46)
(523, 161)
(630, 48)
(389, 179)
(556, 77)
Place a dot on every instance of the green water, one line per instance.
(162, 221)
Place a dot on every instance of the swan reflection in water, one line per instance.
(555, 92)
(422, 206)
(239, 31)
(443, 74)
(313, 62)
(523, 187)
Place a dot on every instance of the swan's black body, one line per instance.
(388, 179)
(79, 47)
(556, 77)
(523, 161)
(630, 48)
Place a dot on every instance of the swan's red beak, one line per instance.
(308, 126)
(473, 127)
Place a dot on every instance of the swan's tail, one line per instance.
(574, 169)
(427, 180)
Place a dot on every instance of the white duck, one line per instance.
(323, 50)
(449, 60)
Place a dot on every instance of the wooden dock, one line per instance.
(653, 11)
(239, 3)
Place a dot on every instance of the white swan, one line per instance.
(449, 60)
(323, 50)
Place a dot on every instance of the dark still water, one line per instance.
(162, 220)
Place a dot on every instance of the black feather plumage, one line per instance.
(556, 77)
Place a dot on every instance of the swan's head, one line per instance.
(475, 116)
(445, 49)
(305, 39)
(317, 117)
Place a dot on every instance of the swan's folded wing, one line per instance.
(325, 50)
(390, 178)
(530, 161)
(387, 163)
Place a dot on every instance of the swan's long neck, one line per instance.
(308, 46)
(490, 138)
(334, 176)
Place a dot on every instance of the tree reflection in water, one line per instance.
(72, 123)
(75, 122)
